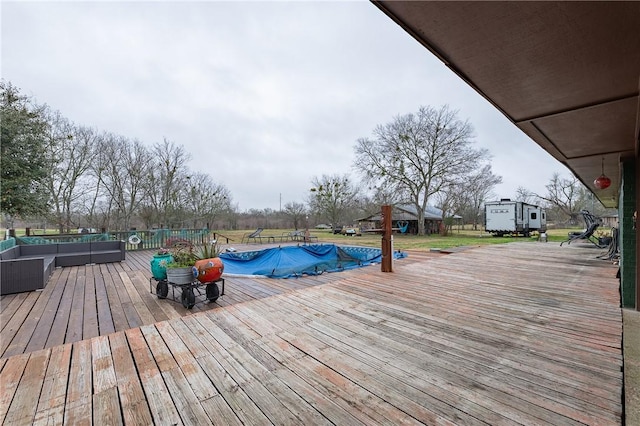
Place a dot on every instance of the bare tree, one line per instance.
(419, 155)
(331, 197)
(449, 199)
(70, 151)
(476, 190)
(296, 212)
(166, 182)
(207, 199)
(566, 195)
(524, 195)
(124, 170)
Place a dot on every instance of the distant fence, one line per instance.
(134, 240)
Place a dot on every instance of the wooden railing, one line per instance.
(156, 238)
(134, 240)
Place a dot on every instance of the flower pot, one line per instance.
(209, 270)
(159, 265)
(180, 276)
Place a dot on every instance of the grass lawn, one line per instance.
(465, 237)
(408, 242)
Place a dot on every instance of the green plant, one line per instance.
(207, 251)
(186, 254)
(183, 255)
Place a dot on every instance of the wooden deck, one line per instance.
(522, 333)
(94, 300)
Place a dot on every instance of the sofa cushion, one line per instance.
(38, 249)
(105, 245)
(74, 248)
(73, 259)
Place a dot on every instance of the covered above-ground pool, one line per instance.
(294, 261)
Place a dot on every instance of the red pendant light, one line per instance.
(602, 182)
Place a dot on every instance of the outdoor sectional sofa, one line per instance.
(27, 267)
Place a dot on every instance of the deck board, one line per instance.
(523, 333)
(50, 409)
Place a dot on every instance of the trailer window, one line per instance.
(534, 215)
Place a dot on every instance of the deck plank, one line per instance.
(141, 309)
(15, 336)
(118, 316)
(90, 324)
(103, 370)
(183, 396)
(105, 320)
(60, 322)
(157, 395)
(9, 304)
(106, 408)
(134, 407)
(75, 323)
(132, 316)
(228, 384)
(155, 306)
(173, 336)
(25, 401)
(79, 402)
(447, 339)
(474, 357)
(50, 410)
(10, 377)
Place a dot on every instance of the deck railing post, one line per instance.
(387, 240)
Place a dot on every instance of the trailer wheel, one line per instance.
(188, 298)
(162, 289)
(213, 292)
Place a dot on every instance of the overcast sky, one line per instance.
(264, 95)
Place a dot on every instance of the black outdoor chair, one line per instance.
(255, 236)
(592, 222)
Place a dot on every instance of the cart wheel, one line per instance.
(162, 289)
(188, 298)
(213, 292)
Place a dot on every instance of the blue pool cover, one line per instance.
(295, 261)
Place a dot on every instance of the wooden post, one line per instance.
(387, 240)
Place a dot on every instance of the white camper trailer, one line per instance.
(513, 217)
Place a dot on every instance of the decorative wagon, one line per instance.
(167, 271)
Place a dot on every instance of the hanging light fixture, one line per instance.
(602, 182)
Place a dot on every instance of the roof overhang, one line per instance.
(566, 73)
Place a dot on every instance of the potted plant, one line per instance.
(208, 268)
(180, 269)
(159, 264)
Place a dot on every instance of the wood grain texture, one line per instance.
(522, 333)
